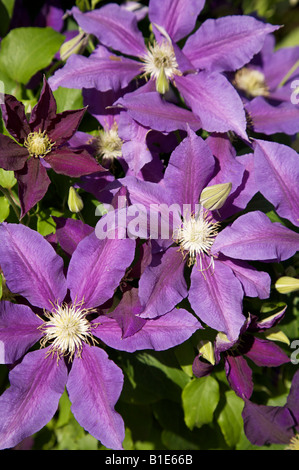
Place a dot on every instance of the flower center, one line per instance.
(161, 64)
(196, 236)
(66, 329)
(294, 443)
(251, 81)
(38, 144)
(108, 145)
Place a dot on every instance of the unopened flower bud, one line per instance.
(205, 348)
(286, 284)
(162, 83)
(274, 334)
(75, 202)
(74, 46)
(213, 197)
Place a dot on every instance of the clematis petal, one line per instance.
(177, 17)
(14, 117)
(33, 184)
(70, 232)
(227, 43)
(112, 72)
(30, 265)
(266, 353)
(94, 386)
(254, 237)
(214, 101)
(64, 126)
(36, 385)
(201, 368)
(267, 424)
(114, 27)
(162, 285)
(281, 165)
(293, 398)
(239, 375)
(44, 111)
(12, 155)
(190, 168)
(96, 268)
(268, 119)
(72, 162)
(18, 331)
(216, 297)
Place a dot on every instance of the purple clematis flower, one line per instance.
(40, 144)
(220, 274)
(260, 350)
(266, 85)
(219, 45)
(274, 424)
(67, 325)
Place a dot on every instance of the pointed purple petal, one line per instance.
(64, 126)
(18, 331)
(114, 27)
(266, 353)
(44, 111)
(268, 119)
(31, 266)
(159, 334)
(190, 169)
(293, 398)
(200, 368)
(70, 232)
(177, 17)
(255, 283)
(254, 237)
(281, 165)
(37, 384)
(214, 101)
(239, 375)
(103, 74)
(97, 267)
(13, 113)
(12, 155)
(216, 297)
(72, 162)
(33, 184)
(162, 285)
(94, 386)
(227, 43)
(151, 110)
(267, 424)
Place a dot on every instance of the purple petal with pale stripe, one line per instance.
(94, 386)
(97, 267)
(216, 297)
(268, 119)
(31, 266)
(239, 375)
(159, 334)
(281, 165)
(254, 237)
(226, 44)
(214, 101)
(151, 110)
(162, 285)
(190, 169)
(267, 424)
(18, 331)
(266, 353)
(114, 27)
(36, 385)
(177, 17)
(107, 73)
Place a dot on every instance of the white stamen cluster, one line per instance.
(108, 145)
(251, 81)
(38, 144)
(66, 329)
(196, 237)
(160, 58)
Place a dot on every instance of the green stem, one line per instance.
(81, 217)
(287, 76)
(11, 201)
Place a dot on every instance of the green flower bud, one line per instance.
(74, 46)
(205, 348)
(162, 83)
(213, 197)
(286, 284)
(75, 202)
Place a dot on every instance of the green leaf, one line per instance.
(68, 98)
(4, 208)
(7, 179)
(25, 51)
(230, 418)
(200, 398)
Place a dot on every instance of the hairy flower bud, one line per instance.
(286, 284)
(75, 202)
(213, 197)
